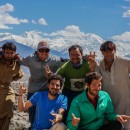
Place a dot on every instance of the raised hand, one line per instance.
(22, 89)
(75, 120)
(48, 72)
(17, 57)
(91, 59)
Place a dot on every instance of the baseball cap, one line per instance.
(43, 45)
(108, 45)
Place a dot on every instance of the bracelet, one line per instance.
(20, 95)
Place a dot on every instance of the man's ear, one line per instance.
(114, 51)
(87, 84)
(102, 52)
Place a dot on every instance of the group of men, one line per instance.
(82, 104)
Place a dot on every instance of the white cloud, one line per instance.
(71, 30)
(42, 21)
(34, 22)
(6, 18)
(23, 20)
(5, 27)
(125, 7)
(126, 14)
(6, 8)
(125, 37)
(127, 0)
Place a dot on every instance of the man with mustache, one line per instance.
(74, 72)
(90, 109)
(36, 63)
(9, 71)
(115, 72)
(50, 105)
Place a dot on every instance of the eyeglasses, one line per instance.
(44, 50)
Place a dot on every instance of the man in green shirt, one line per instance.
(89, 110)
(74, 72)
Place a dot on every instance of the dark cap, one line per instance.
(43, 45)
(108, 45)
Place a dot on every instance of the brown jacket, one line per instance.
(8, 73)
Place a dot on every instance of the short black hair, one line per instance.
(108, 45)
(73, 47)
(9, 45)
(56, 77)
(91, 76)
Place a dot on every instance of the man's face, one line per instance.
(43, 54)
(54, 87)
(75, 56)
(109, 55)
(9, 54)
(94, 87)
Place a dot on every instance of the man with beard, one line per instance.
(9, 71)
(115, 72)
(36, 63)
(89, 110)
(50, 105)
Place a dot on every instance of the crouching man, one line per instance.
(89, 110)
(50, 105)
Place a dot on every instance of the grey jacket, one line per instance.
(37, 80)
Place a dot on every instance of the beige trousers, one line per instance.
(58, 126)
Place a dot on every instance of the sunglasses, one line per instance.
(44, 50)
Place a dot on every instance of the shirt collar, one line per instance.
(85, 97)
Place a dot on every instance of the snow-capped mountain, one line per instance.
(60, 42)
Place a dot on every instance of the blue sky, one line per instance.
(106, 18)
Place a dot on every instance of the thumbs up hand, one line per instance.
(75, 120)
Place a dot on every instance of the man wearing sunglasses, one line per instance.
(36, 64)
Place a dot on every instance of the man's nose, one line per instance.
(98, 88)
(54, 86)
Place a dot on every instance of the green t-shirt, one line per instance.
(74, 78)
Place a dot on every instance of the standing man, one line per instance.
(9, 71)
(115, 72)
(36, 64)
(89, 110)
(74, 72)
(50, 105)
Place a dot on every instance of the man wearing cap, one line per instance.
(115, 74)
(36, 64)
